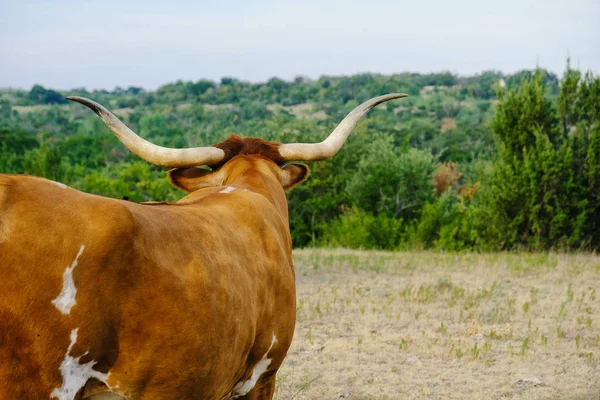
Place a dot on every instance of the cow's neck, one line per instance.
(266, 185)
(260, 176)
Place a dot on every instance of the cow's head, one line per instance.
(236, 157)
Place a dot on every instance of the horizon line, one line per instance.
(304, 77)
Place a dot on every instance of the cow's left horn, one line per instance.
(328, 147)
(166, 157)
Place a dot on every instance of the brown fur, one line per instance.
(174, 300)
(235, 145)
(16, 347)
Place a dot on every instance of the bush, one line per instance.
(357, 229)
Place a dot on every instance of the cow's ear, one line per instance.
(292, 175)
(192, 179)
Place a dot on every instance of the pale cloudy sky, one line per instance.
(106, 43)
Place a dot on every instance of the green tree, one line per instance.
(548, 165)
(393, 183)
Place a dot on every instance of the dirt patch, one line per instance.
(375, 325)
(448, 124)
(213, 107)
(183, 106)
(400, 109)
(300, 111)
(425, 90)
(31, 109)
(123, 112)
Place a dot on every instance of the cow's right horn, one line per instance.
(328, 147)
(166, 157)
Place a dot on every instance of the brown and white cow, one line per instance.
(108, 299)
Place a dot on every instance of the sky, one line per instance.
(64, 44)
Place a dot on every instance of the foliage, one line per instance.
(547, 169)
(358, 229)
(390, 182)
(485, 162)
(39, 94)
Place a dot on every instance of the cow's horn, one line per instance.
(167, 157)
(328, 147)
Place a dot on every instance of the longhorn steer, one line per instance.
(104, 298)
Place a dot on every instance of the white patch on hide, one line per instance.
(228, 189)
(60, 185)
(243, 387)
(75, 375)
(66, 299)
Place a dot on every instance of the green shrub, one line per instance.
(358, 229)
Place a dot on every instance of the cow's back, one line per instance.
(212, 278)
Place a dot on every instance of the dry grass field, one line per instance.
(375, 325)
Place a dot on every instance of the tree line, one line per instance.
(487, 162)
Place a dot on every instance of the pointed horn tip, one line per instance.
(82, 100)
(397, 95)
(74, 98)
(375, 101)
(386, 97)
(91, 104)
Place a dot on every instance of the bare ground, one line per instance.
(375, 325)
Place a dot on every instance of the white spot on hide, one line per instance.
(75, 375)
(228, 189)
(60, 185)
(243, 387)
(66, 299)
